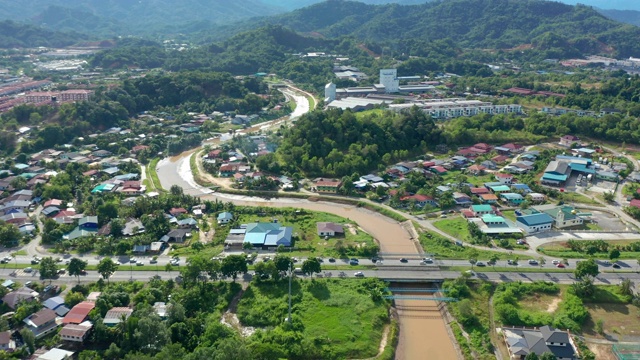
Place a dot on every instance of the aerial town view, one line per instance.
(320, 179)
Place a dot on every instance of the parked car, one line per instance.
(34, 262)
(140, 263)
(133, 260)
(616, 266)
(153, 261)
(332, 260)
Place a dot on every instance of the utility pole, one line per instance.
(290, 275)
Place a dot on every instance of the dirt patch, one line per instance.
(352, 229)
(230, 319)
(553, 305)
(602, 351)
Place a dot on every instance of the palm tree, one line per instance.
(494, 259)
(542, 261)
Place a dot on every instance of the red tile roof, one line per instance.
(79, 313)
(479, 190)
(504, 176)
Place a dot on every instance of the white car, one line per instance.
(555, 262)
(358, 274)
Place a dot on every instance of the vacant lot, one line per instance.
(337, 313)
(457, 228)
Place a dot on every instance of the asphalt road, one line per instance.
(391, 274)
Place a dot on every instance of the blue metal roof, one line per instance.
(535, 219)
(554, 177)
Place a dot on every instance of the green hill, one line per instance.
(494, 24)
(127, 17)
(20, 35)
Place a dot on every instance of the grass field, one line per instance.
(443, 248)
(561, 250)
(579, 198)
(457, 227)
(338, 313)
(153, 175)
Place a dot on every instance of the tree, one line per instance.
(626, 287)
(542, 261)
(547, 356)
(494, 259)
(151, 334)
(72, 298)
(608, 196)
(232, 265)
(614, 254)
(283, 262)
(48, 268)
(117, 225)
(531, 356)
(76, 267)
(106, 268)
(586, 268)
(310, 266)
(473, 257)
(29, 339)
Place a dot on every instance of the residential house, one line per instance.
(329, 229)
(522, 342)
(499, 189)
(79, 313)
(188, 223)
(537, 197)
(50, 211)
(440, 170)
(268, 235)
(504, 179)
(52, 202)
(140, 249)
(462, 199)
(132, 227)
(489, 198)
(131, 188)
(53, 303)
(479, 210)
(54, 354)
(15, 206)
(534, 223)
(502, 150)
(489, 164)
(89, 223)
(116, 315)
(568, 140)
(420, 200)
(513, 148)
(42, 322)
(327, 186)
(479, 190)
(6, 342)
(76, 332)
(521, 188)
(512, 199)
(225, 217)
(483, 146)
(176, 235)
(476, 170)
(500, 159)
(178, 211)
(13, 298)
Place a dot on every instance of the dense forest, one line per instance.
(556, 28)
(14, 35)
(338, 143)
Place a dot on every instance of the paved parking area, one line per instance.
(607, 221)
